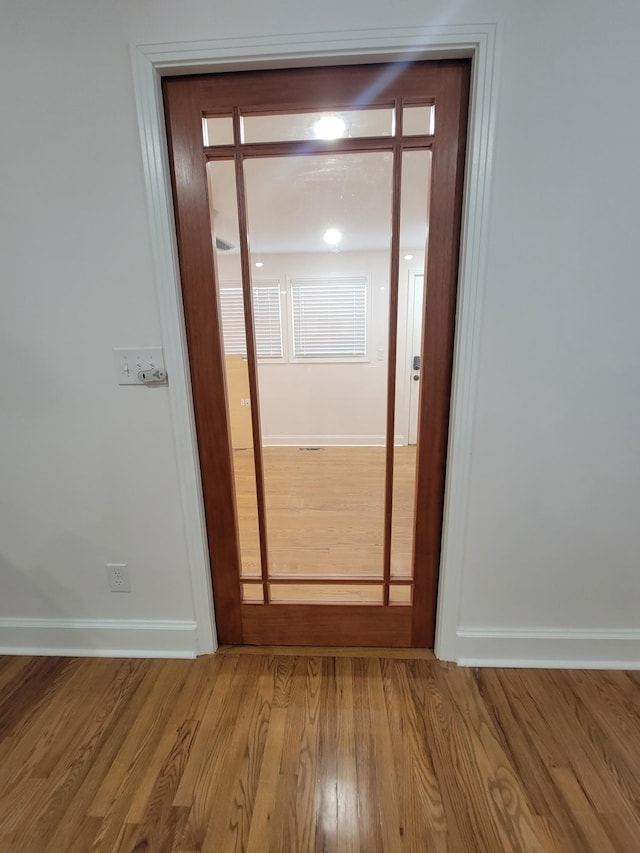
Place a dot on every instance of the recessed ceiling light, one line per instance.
(408, 257)
(332, 236)
(329, 127)
(259, 264)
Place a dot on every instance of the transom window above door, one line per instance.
(339, 123)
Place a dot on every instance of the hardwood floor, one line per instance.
(260, 750)
(325, 517)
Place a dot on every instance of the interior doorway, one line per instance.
(320, 530)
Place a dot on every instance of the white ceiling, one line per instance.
(292, 200)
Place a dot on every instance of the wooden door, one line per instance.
(324, 537)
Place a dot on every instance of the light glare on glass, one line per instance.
(329, 127)
(332, 236)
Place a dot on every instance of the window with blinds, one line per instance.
(329, 318)
(267, 319)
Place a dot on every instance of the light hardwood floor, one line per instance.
(259, 750)
(325, 512)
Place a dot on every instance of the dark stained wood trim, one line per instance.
(366, 85)
(252, 359)
(329, 580)
(206, 358)
(258, 112)
(392, 346)
(389, 653)
(313, 146)
(342, 624)
(441, 279)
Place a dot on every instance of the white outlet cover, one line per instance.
(118, 577)
(128, 361)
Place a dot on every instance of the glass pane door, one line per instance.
(321, 224)
(322, 253)
(321, 377)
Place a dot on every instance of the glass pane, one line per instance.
(223, 210)
(323, 421)
(329, 318)
(326, 593)
(252, 593)
(317, 125)
(217, 131)
(267, 318)
(417, 121)
(224, 217)
(414, 213)
(400, 594)
(402, 513)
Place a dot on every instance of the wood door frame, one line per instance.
(150, 64)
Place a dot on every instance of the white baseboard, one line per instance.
(498, 647)
(147, 638)
(328, 440)
(549, 648)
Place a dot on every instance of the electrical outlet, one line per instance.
(118, 576)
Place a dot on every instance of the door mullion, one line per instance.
(252, 361)
(394, 275)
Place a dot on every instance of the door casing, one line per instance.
(150, 64)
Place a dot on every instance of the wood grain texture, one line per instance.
(201, 305)
(392, 342)
(347, 625)
(258, 751)
(252, 359)
(438, 331)
(328, 651)
(325, 512)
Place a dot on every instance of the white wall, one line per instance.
(88, 469)
(553, 542)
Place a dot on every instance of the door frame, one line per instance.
(152, 62)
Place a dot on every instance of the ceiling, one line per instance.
(291, 201)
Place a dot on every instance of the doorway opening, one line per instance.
(324, 519)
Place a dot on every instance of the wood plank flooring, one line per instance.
(325, 512)
(264, 750)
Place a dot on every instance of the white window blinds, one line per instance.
(329, 318)
(267, 320)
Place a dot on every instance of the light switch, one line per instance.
(129, 362)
